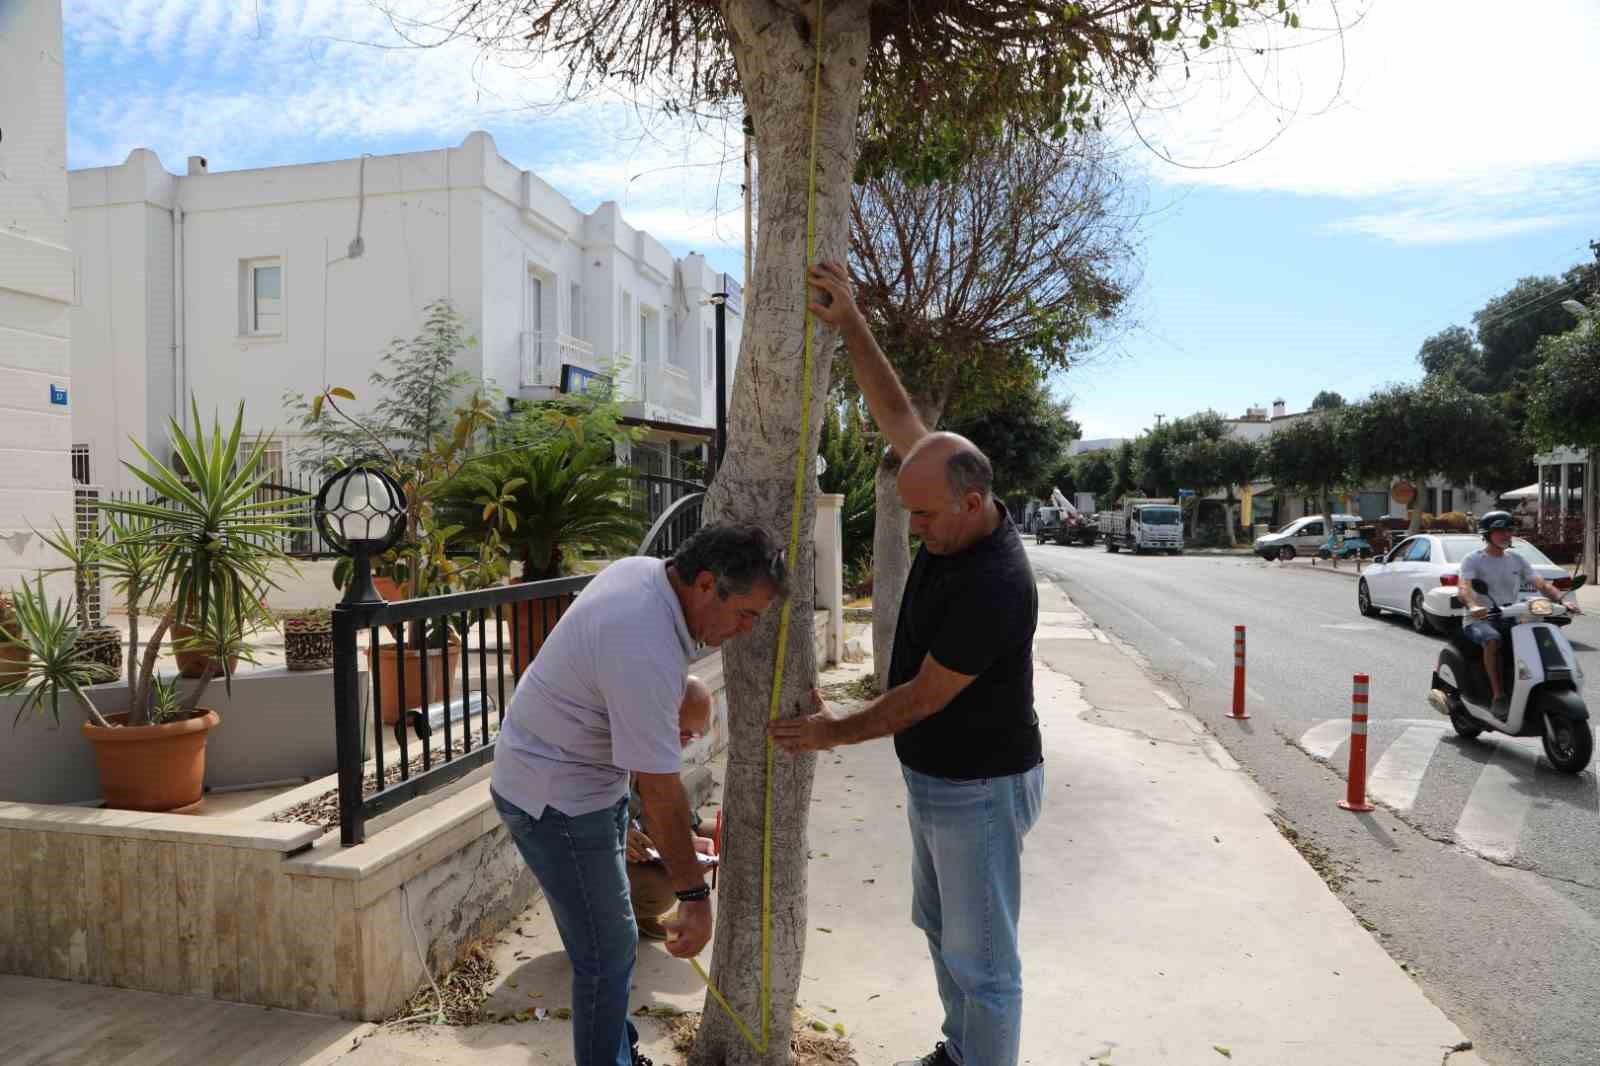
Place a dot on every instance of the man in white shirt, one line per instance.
(601, 702)
(1506, 574)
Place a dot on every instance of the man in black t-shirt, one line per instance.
(959, 706)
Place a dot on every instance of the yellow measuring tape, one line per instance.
(802, 453)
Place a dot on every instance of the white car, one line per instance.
(1303, 536)
(1420, 576)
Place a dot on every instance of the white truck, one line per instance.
(1143, 525)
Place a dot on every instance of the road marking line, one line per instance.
(1166, 698)
(1397, 776)
(1324, 738)
(1492, 820)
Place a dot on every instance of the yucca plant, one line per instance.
(204, 547)
(544, 501)
(55, 667)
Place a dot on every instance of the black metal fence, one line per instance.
(301, 541)
(416, 650)
(654, 495)
(674, 526)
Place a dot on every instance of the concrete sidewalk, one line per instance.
(1165, 920)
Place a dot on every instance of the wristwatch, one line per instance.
(693, 895)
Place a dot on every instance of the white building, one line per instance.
(255, 284)
(37, 287)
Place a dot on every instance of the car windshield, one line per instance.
(1456, 549)
(1160, 516)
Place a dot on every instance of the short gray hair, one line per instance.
(969, 470)
(737, 555)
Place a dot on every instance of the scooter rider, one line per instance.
(1506, 574)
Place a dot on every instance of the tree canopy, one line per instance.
(1025, 438)
(1327, 400)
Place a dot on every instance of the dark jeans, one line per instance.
(580, 864)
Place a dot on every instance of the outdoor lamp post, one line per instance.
(361, 512)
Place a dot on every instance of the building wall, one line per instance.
(460, 222)
(37, 286)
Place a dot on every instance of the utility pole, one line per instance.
(1158, 420)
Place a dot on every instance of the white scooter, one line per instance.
(1538, 668)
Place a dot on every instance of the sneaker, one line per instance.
(640, 1060)
(1501, 707)
(937, 1057)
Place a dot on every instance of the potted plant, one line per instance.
(308, 639)
(13, 655)
(205, 540)
(424, 442)
(543, 504)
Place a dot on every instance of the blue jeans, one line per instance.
(580, 864)
(966, 878)
(1482, 632)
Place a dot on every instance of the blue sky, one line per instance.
(1360, 191)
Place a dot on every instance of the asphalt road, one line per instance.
(1481, 872)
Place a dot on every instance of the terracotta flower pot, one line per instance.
(442, 665)
(152, 767)
(389, 589)
(192, 663)
(13, 661)
(530, 624)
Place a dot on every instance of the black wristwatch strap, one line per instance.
(694, 895)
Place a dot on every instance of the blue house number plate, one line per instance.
(58, 395)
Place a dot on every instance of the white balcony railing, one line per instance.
(544, 352)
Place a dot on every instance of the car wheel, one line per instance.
(1286, 553)
(1364, 600)
(1419, 617)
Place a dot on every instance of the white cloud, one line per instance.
(1471, 114)
(302, 80)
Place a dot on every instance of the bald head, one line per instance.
(965, 468)
(945, 484)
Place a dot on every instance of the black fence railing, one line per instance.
(676, 525)
(417, 650)
(653, 495)
(302, 540)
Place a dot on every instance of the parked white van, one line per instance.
(1302, 536)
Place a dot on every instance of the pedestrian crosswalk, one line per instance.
(1509, 785)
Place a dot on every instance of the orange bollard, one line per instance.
(1355, 798)
(1238, 675)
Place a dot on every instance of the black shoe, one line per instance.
(937, 1057)
(1500, 707)
(640, 1060)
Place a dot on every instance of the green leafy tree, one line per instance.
(1564, 410)
(1095, 472)
(1224, 464)
(1125, 471)
(901, 88)
(850, 450)
(1312, 457)
(1436, 428)
(1024, 437)
(1327, 400)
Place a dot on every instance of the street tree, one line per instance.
(1095, 473)
(908, 89)
(1125, 470)
(977, 285)
(1221, 464)
(1436, 428)
(1024, 435)
(1327, 400)
(1564, 410)
(1311, 457)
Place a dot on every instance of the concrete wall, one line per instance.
(37, 286)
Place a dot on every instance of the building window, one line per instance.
(575, 325)
(261, 310)
(535, 307)
(80, 464)
(711, 356)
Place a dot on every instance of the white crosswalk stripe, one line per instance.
(1324, 738)
(1397, 775)
(1499, 804)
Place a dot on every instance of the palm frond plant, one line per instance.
(544, 504)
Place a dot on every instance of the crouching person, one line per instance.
(600, 702)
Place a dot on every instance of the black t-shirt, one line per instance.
(975, 613)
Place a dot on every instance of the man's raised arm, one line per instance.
(886, 397)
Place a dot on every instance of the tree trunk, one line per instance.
(891, 545)
(1231, 521)
(774, 50)
(1590, 557)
